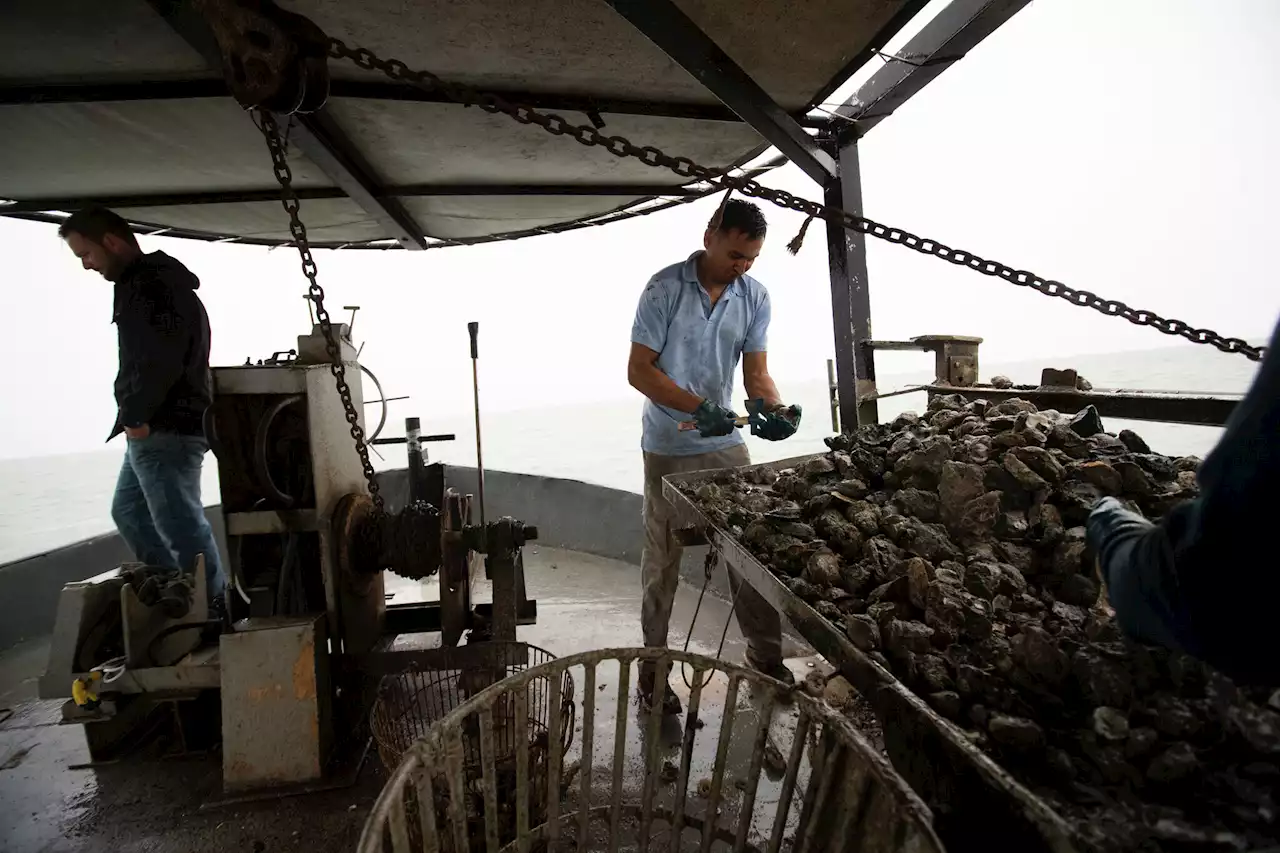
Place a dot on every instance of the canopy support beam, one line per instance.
(663, 23)
(944, 40)
(185, 199)
(370, 90)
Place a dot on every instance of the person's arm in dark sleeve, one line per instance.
(158, 340)
(1136, 562)
(1192, 581)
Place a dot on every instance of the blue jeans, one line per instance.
(157, 505)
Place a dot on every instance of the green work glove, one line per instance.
(773, 423)
(713, 419)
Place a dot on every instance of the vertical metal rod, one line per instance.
(522, 769)
(458, 793)
(819, 790)
(588, 744)
(417, 461)
(652, 736)
(850, 298)
(817, 761)
(789, 783)
(489, 781)
(474, 330)
(753, 773)
(832, 393)
(396, 817)
(555, 759)
(686, 757)
(426, 809)
(855, 797)
(722, 755)
(619, 751)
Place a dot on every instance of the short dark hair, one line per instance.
(96, 222)
(739, 215)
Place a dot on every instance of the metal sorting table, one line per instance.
(975, 801)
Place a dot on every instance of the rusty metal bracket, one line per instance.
(271, 58)
(955, 356)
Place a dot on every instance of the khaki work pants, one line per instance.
(660, 562)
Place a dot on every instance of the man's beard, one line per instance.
(115, 270)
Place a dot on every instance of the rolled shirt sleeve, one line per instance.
(758, 332)
(651, 322)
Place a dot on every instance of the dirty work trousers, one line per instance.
(157, 506)
(660, 562)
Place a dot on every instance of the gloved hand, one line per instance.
(773, 423)
(713, 419)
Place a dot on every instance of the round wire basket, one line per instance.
(410, 703)
(751, 765)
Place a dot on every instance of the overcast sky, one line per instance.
(1123, 146)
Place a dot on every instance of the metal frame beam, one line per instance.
(663, 23)
(371, 90)
(850, 297)
(317, 135)
(952, 33)
(307, 193)
(900, 19)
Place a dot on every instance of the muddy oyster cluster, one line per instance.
(951, 548)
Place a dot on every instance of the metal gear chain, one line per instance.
(620, 146)
(292, 206)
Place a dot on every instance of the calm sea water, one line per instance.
(51, 501)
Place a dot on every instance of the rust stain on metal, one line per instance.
(257, 694)
(304, 673)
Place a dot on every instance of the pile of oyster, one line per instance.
(951, 548)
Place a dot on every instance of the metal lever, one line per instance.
(473, 329)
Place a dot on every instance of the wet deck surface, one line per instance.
(50, 803)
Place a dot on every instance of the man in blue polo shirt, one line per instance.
(696, 319)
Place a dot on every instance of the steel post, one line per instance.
(418, 490)
(850, 299)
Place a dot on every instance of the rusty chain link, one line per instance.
(292, 206)
(620, 146)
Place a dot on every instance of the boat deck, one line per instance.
(51, 803)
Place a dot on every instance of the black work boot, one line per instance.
(670, 701)
(775, 669)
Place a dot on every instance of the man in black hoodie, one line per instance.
(162, 390)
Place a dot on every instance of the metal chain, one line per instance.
(620, 146)
(292, 206)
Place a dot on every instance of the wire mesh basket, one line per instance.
(751, 765)
(410, 703)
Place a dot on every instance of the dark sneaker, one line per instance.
(671, 706)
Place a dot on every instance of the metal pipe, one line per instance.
(722, 756)
(399, 829)
(474, 329)
(747, 808)
(832, 393)
(417, 460)
(588, 745)
(619, 752)
(522, 769)
(789, 782)
(555, 761)
(427, 809)
(652, 738)
(489, 782)
(686, 754)
(850, 299)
